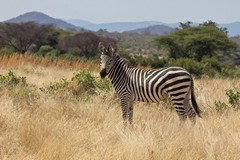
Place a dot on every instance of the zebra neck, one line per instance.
(118, 74)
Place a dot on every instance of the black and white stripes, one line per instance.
(135, 84)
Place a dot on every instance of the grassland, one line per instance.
(61, 126)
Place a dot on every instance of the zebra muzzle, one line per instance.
(103, 73)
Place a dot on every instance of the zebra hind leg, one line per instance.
(189, 110)
(182, 116)
(181, 112)
(192, 115)
(178, 104)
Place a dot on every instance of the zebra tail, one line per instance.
(194, 103)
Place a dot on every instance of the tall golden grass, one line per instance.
(17, 60)
(59, 127)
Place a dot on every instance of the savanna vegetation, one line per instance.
(54, 105)
(204, 50)
(65, 111)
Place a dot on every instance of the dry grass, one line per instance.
(60, 127)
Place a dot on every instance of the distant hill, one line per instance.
(153, 30)
(42, 18)
(79, 22)
(233, 28)
(115, 27)
(145, 27)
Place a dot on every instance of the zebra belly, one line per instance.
(144, 94)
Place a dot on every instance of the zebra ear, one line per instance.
(114, 50)
(101, 47)
(111, 51)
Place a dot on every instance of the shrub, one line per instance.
(6, 51)
(190, 65)
(84, 79)
(83, 83)
(212, 67)
(48, 51)
(56, 87)
(221, 107)
(104, 84)
(70, 57)
(10, 80)
(23, 94)
(233, 98)
(74, 51)
(157, 62)
(44, 50)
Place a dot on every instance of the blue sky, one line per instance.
(104, 11)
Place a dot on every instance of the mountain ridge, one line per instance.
(42, 18)
(153, 30)
(233, 27)
(77, 24)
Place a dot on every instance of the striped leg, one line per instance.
(192, 115)
(179, 106)
(189, 110)
(130, 111)
(125, 110)
(181, 114)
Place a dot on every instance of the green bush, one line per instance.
(22, 93)
(157, 62)
(44, 50)
(82, 83)
(233, 98)
(73, 51)
(6, 51)
(212, 67)
(85, 83)
(190, 65)
(221, 107)
(231, 73)
(233, 101)
(104, 84)
(11, 80)
(48, 51)
(54, 87)
(84, 79)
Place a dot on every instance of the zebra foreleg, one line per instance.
(130, 111)
(125, 111)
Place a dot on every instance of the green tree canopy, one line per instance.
(196, 41)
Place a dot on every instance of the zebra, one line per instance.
(136, 84)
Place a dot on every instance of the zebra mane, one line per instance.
(125, 60)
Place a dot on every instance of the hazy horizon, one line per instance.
(110, 11)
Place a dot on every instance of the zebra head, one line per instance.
(107, 59)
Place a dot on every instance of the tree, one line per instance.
(185, 25)
(20, 37)
(196, 41)
(86, 42)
